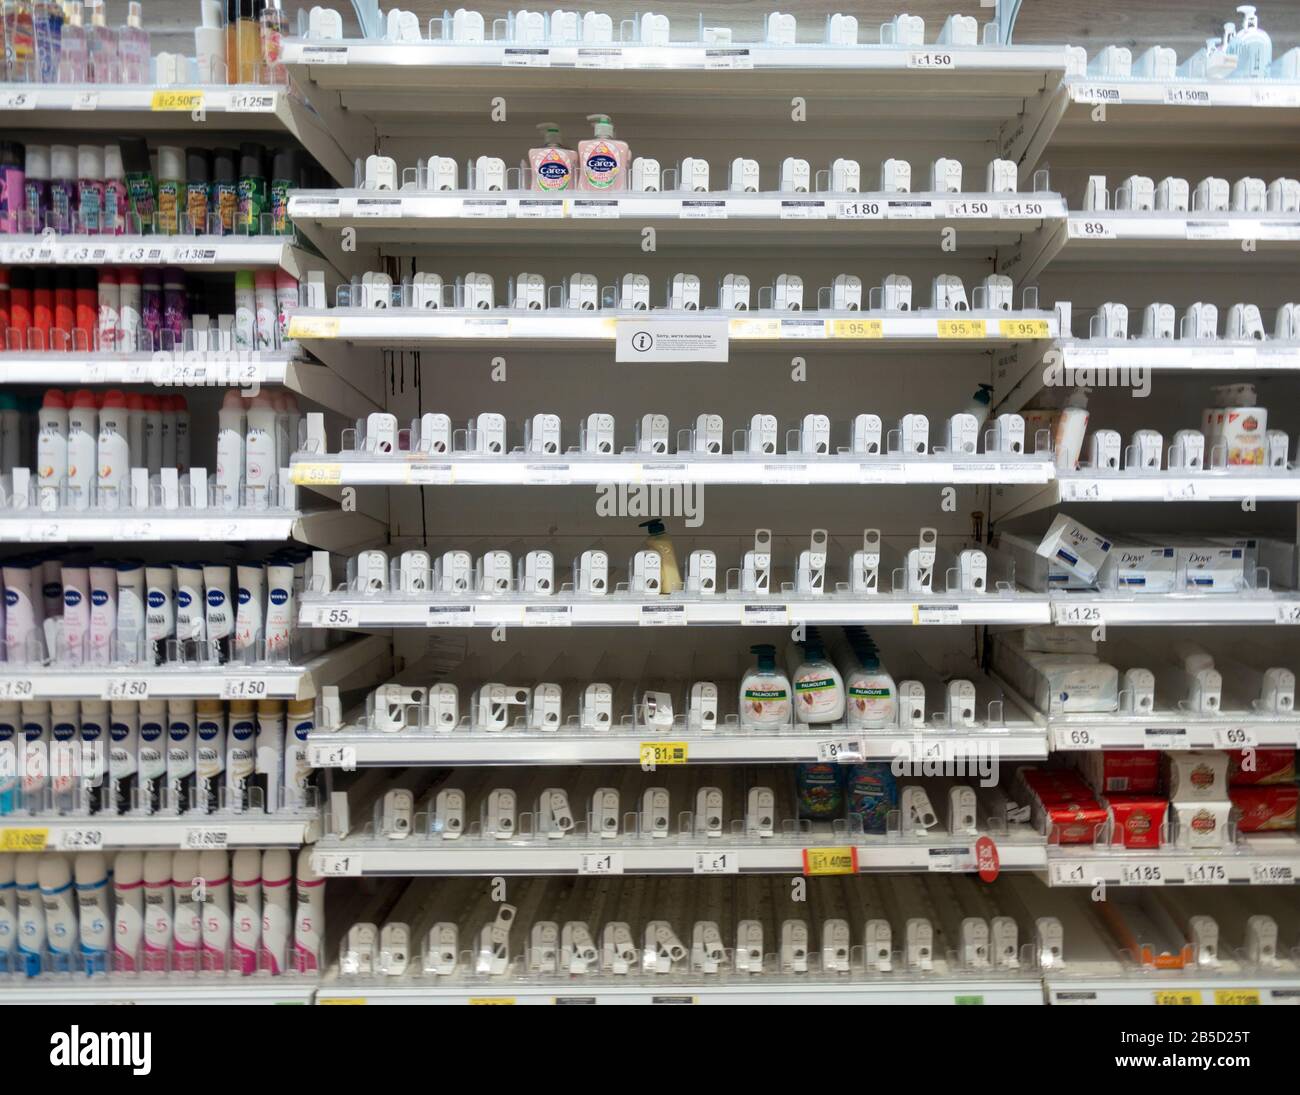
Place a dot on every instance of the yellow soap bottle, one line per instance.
(670, 575)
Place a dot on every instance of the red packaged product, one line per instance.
(1268, 766)
(1265, 809)
(1137, 819)
(1073, 824)
(1130, 771)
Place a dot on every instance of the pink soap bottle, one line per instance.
(551, 167)
(602, 160)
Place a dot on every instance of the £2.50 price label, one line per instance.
(176, 100)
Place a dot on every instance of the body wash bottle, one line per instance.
(602, 159)
(818, 686)
(670, 575)
(551, 167)
(764, 693)
(133, 46)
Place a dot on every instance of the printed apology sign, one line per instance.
(667, 340)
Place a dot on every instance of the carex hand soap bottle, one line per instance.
(603, 161)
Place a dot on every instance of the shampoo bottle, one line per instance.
(818, 686)
(551, 167)
(670, 576)
(764, 693)
(603, 161)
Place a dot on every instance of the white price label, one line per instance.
(1090, 230)
(1288, 612)
(1070, 874)
(728, 58)
(863, 210)
(377, 207)
(806, 210)
(970, 207)
(717, 863)
(764, 615)
(1271, 874)
(17, 100)
(450, 616)
(932, 58)
(517, 57)
(841, 751)
(336, 865)
(485, 208)
(333, 756)
(949, 859)
(85, 100)
(1075, 614)
(785, 473)
(245, 688)
(600, 58)
(601, 863)
(544, 475)
(1067, 738)
(703, 209)
(909, 209)
(1187, 96)
(252, 102)
(1213, 230)
(1165, 738)
(1205, 873)
(1142, 874)
(79, 839)
(663, 616)
(430, 474)
(594, 209)
(125, 688)
(335, 617)
(1096, 93)
(1025, 208)
(540, 208)
(324, 55)
(192, 256)
(206, 839)
(936, 614)
(548, 615)
(16, 688)
(1235, 737)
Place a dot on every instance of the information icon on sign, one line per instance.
(643, 341)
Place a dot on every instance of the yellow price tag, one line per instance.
(962, 328)
(313, 327)
(317, 475)
(176, 100)
(1178, 996)
(655, 753)
(23, 840)
(1237, 996)
(754, 328)
(856, 328)
(338, 1000)
(491, 999)
(1025, 328)
(830, 861)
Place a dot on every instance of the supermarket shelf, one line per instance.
(326, 529)
(251, 682)
(190, 252)
(1234, 985)
(881, 989)
(477, 855)
(1143, 113)
(1131, 364)
(409, 220)
(1215, 485)
(519, 469)
(23, 833)
(170, 989)
(194, 109)
(857, 331)
(1261, 859)
(968, 92)
(1128, 240)
(357, 747)
(1253, 607)
(356, 610)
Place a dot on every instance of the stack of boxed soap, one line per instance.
(1197, 784)
(1058, 668)
(1064, 806)
(1128, 784)
(1262, 786)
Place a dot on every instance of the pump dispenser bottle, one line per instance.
(670, 575)
(1254, 48)
(603, 161)
(872, 700)
(818, 686)
(764, 693)
(551, 167)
